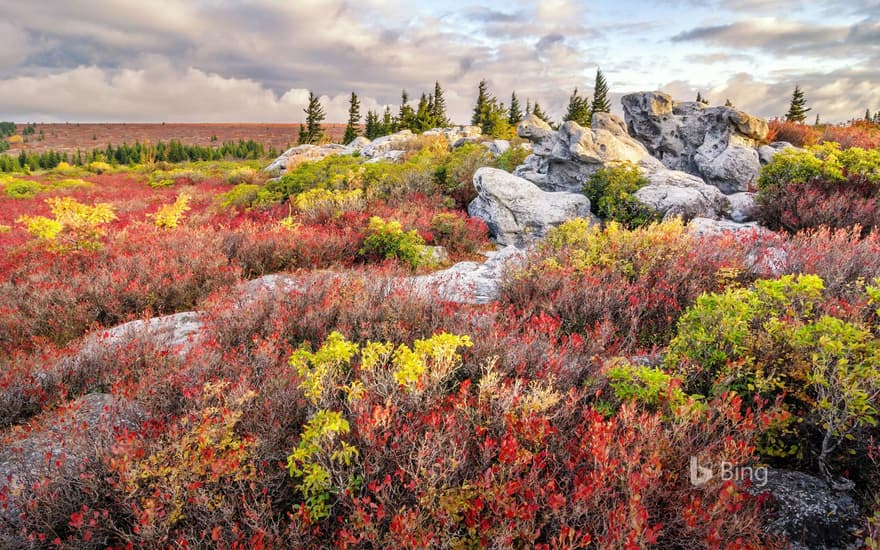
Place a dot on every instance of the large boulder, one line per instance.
(672, 193)
(718, 144)
(517, 211)
(469, 282)
(384, 144)
(305, 153)
(563, 160)
(767, 152)
(743, 207)
(807, 512)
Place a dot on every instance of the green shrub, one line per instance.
(333, 172)
(513, 157)
(610, 191)
(242, 195)
(772, 339)
(650, 387)
(98, 167)
(20, 189)
(242, 175)
(387, 240)
(826, 162)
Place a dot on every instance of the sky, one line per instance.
(255, 61)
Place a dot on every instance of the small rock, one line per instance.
(742, 207)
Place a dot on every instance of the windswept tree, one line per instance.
(354, 119)
(516, 113)
(406, 116)
(797, 110)
(600, 104)
(482, 100)
(578, 109)
(538, 112)
(312, 132)
(439, 107)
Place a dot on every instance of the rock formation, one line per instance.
(517, 211)
(717, 144)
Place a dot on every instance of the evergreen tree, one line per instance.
(728, 103)
(388, 122)
(515, 113)
(406, 117)
(312, 132)
(439, 109)
(373, 127)
(578, 109)
(528, 106)
(601, 104)
(867, 115)
(424, 119)
(538, 112)
(354, 119)
(482, 101)
(817, 120)
(797, 111)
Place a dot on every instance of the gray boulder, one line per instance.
(358, 143)
(716, 144)
(677, 194)
(517, 211)
(497, 147)
(807, 512)
(563, 160)
(469, 282)
(703, 227)
(303, 153)
(383, 144)
(767, 152)
(742, 207)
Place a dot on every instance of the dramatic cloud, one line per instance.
(228, 60)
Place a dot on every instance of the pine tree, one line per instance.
(797, 111)
(440, 118)
(482, 101)
(373, 128)
(423, 119)
(867, 115)
(406, 117)
(600, 95)
(538, 112)
(699, 97)
(515, 113)
(528, 106)
(388, 122)
(354, 119)
(578, 109)
(728, 103)
(817, 120)
(312, 132)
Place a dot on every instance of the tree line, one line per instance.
(492, 115)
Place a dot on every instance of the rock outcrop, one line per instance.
(767, 152)
(306, 153)
(676, 194)
(517, 211)
(807, 512)
(469, 282)
(563, 160)
(717, 144)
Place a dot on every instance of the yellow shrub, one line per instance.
(75, 225)
(99, 167)
(14, 139)
(169, 215)
(322, 203)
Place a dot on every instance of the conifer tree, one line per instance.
(388, 122)
(867, 115)
(482, 101)
(728, 103)
(528, 106)
(600, 104)
(817, 120)
(699, 97)
(406, 116)
(538, 112)
(797, 110)
(439, 110)
(373, 127)
(515, 112)
(578, 109)
(354, 119)
(424, 120)
(312, 132)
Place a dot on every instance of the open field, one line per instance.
(68, 137)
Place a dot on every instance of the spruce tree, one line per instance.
(515, 113)
(528, 106)
(600, 104)
(482, 101)
(354, 119)
(578, 109)
(373, 127)
(388, 122)
(423, 119)
(699, 97)
(867, 115)
(406, 117)
(538, 112)
(797, 110)
(817, 120)
(312, 132)
(440, 118)
(728, 103)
